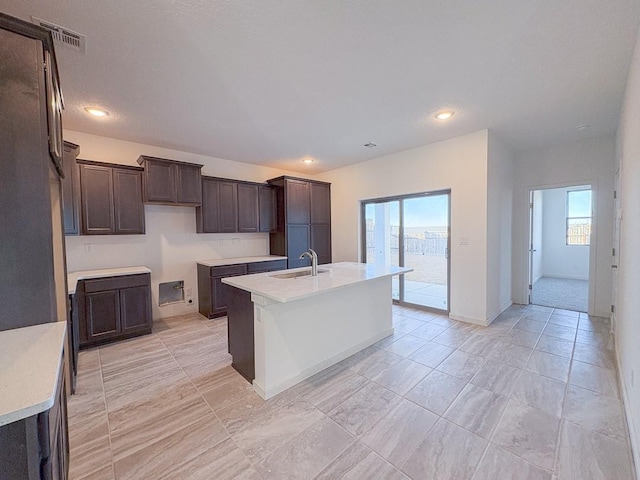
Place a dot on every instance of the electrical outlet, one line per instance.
(88, 247)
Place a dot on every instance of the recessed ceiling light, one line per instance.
(308, 160)
(96, 112)
(582, 127)
(444, 114)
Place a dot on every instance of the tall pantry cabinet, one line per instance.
(32, 255)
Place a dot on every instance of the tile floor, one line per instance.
(533, 396)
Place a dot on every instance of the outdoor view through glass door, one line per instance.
(411, 231)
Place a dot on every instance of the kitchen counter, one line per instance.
(219, 262)
(73, 277)
(334, 276)
(284, 330)
(31, 363)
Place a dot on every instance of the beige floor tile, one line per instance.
(432, 354)
(498, 464)
(436, 391)
(529, 325)
(600, 356)
(233, 391)
(540, 392)
(511, 354)
(306, 454)
(403, 428)
(555, 345)
(359, 463)
(592, 377)
(481, 345)
(594, 411)
(477, 410)
(360, 412)
(549, 365)
(406, 345)
(449, 452)
(452, 337)
(462, 365)
(560, 331)
(564, 320)
(585, 454)
(596, 338)
(87, 459)
(371, 365)
(105, 473)
(497, 377)
(524, 338)
(529, 433)
(177, 452)
(327, 389)
(428, 331)
(402, 377)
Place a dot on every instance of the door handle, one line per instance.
(533, 250)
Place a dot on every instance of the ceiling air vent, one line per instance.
(62, 35)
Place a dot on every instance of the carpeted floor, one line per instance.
(561, 293)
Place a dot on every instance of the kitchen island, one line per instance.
(286, 326)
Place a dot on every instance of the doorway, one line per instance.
(411, 231)
(559, 247)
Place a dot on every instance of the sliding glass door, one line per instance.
(411, 231)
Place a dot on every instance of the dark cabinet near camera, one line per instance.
(169, 182)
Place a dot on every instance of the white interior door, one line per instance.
(616, 248)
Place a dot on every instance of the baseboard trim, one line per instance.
(267, 393)
(631, 430)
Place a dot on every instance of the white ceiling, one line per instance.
(270, 82)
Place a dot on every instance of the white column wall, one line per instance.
(459, 164)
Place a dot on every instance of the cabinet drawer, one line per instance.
(115, 283)
(268, 266)
(228, 270)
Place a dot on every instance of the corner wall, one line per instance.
(171, 247)
(628, 305)
(459, 164)
(587, 162)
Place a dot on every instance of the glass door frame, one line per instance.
(400, 199)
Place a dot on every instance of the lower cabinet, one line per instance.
(113, 308)
(37, 447)
(212, 293)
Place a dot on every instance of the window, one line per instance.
(578, 217)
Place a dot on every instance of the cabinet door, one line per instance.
(160, 181)
(321, 242)
(96, 185)
(219, 289)
(297, 243)
(320, 203)
(103, 314)
(228, 207)
(128, 206)
(247, 207)
(208, 215)
(267, 209)
(70, 193)
(189, 185)
(135, 310)
(297, 202)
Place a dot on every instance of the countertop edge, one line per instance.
(74, 277)
(223, 262)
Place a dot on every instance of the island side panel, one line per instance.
(240, 331)
(295, 340)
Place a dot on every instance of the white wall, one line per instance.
(628, 305)
(499, 217)
(170, 247)
(459, 164)
(559, 259)
(587, 162)
(536, 237)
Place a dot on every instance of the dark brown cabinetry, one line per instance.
(168, 182)
(303, 220)
(230, 206)
(71, 190)
(111, 198)
(113, 308)
(212, 293)
(37, 447)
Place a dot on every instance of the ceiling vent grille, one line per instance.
(62, 35)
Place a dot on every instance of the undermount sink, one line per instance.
(298, 274)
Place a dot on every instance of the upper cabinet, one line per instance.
(230, 206)
(303, 220)
(111, 199)
(168, 182)
(71, 190)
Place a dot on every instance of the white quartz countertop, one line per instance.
(31, 363)
(336, 275)
(73, 277)
(219, 262)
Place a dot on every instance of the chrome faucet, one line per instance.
(313, 256)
